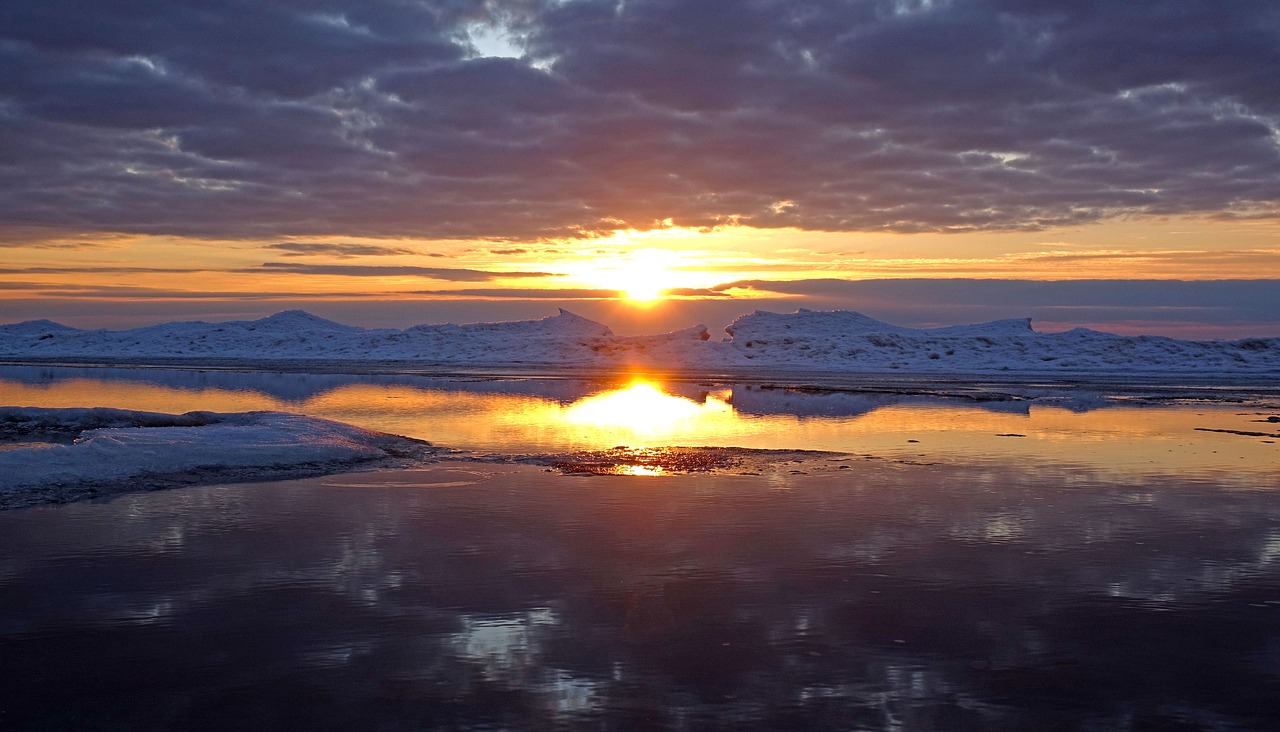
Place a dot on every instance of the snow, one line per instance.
(831, 341)
(116, 450)
(844, 340)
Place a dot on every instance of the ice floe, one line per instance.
(105, 451)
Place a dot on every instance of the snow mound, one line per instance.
(117, 450)
(293, 320)
(832, 341)
(849, 341)
(35, 330)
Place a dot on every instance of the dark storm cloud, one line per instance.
(240, 118)
(357, 270)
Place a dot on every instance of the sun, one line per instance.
(645, 283)
(646, 268)
(641, 277)
(645, 276)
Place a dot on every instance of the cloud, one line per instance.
(493, 293)
(357, 270)
(696, 292)
(339, 249)
(68, 291)
(108, 269)
(1055, 260)
(1063, 303)
(238, 119)
(45, 244)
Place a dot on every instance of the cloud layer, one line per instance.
(251, 118)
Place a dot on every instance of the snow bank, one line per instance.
(843, 340)
(839, 341)
(117, 450)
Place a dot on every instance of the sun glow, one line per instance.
(646, 286)
(640, 410)
(642, 276)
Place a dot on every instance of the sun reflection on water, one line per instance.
(644, 412)
(640, 470)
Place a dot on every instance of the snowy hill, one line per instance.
(840, 341)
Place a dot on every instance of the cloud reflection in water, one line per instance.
(927, 597)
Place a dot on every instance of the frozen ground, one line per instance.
(839, 341)
(62, 455)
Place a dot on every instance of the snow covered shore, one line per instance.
(839, 341)
(115, 450)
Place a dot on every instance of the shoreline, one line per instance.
(1259, 384)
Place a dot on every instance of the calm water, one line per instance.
(1120, 436)
(1111, 569)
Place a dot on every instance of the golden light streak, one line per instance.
(640, 409)
(640, 470)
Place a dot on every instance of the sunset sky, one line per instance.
(647, 163)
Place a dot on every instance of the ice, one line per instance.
(116, 450)
(806, 340)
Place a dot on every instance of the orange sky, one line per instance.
(646, 278)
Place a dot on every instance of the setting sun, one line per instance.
(642, 276)
(646, 284)
(637, 271)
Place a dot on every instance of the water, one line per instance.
(1114, 568)
(530, 415)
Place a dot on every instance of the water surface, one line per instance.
(961, 561)
(1099, 430)
(504, 597)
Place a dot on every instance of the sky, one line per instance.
(651, 164)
